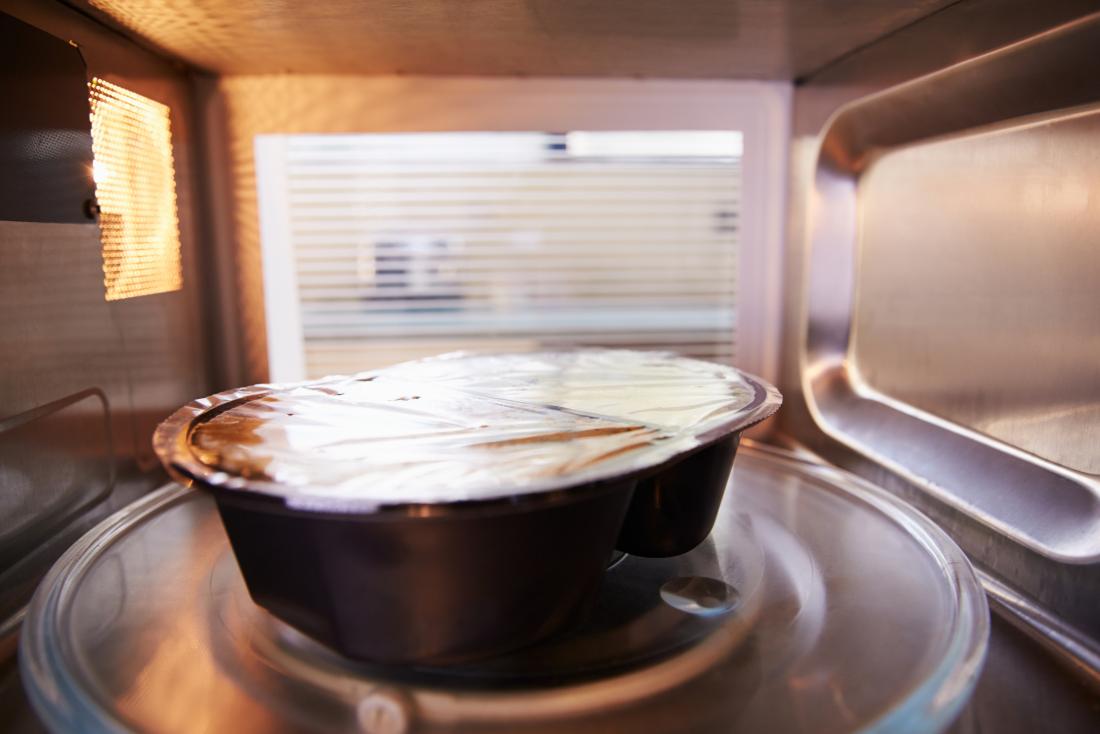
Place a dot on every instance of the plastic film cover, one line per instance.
(461, 427)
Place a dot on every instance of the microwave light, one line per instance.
(134, 175)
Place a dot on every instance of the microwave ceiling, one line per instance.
(762, 39)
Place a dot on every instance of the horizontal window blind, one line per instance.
(409, 245)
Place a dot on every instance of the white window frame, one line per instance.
(759, 110)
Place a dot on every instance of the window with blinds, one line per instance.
(385, 247)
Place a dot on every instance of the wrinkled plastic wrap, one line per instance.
(461, 427)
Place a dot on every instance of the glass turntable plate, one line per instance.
(819, 603)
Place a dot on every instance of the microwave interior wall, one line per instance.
(85, 379)
(879, 265)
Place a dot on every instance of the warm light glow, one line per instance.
(136, 189)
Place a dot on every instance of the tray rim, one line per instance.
(171, 442)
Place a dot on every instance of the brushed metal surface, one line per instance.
(979, 283)
(874, 271)
(1023, 691)
(955, 33)
(910, 222)
(83, 382)
(612, 38)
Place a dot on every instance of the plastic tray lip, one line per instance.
(171, 442)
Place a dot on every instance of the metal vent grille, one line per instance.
(407, 245)
(136, 190)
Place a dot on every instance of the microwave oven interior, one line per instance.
(889, 210)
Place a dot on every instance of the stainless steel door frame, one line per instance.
(1032, 525)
